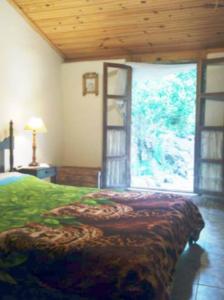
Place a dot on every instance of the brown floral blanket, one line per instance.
(107, 245)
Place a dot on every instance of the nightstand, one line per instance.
(40, 172)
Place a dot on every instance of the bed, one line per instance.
(61, 242)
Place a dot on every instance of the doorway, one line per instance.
(163, 126)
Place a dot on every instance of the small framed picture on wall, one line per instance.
(90, 83)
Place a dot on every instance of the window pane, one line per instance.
(215, 78)
(116, 169)
(116, 112)
(116, 142)
(214, 113)
(117, 81)
(211, 177)
(212, 145)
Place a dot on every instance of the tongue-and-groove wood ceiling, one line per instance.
(94, 29)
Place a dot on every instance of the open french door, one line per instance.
(210, 138)
(116, 125)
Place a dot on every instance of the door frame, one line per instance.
(197, 142)
(201, 100)
(196, 131)
(127, 126)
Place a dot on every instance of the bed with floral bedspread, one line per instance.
(59, 242)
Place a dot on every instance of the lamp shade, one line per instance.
(35, 124)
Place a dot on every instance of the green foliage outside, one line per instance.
(163, 125)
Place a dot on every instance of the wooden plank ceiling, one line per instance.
(94, 29)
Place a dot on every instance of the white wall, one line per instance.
(83, 116)
(29, 86)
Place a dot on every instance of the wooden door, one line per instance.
(210, 141)
(116, 125)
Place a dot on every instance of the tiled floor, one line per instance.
(200, 270)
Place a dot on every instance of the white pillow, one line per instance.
(9, 174)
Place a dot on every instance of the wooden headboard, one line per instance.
(7, 144)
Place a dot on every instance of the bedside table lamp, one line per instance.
(35, 125)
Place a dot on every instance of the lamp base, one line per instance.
(34, 164)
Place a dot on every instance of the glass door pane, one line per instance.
(116, 112)
(212, 145)
(211, 177)
(214, 78)
(214, 113)
(116, 143)
(117, 81)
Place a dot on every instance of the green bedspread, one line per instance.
(28, 198)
